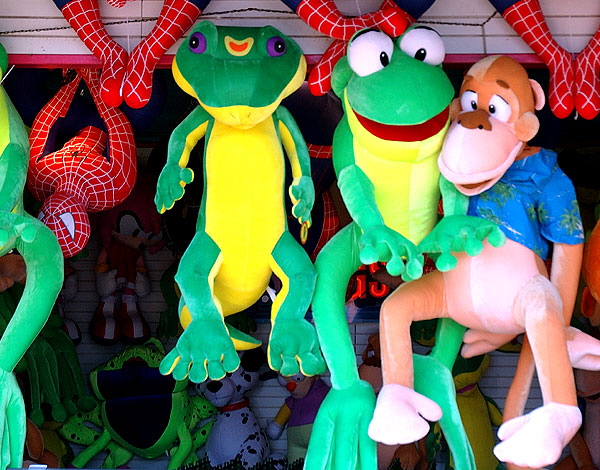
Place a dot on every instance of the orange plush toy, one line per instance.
(501, 291)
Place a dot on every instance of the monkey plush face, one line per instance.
(492, 120)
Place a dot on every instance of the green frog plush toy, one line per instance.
(44, 265)
(240, 75)
(396, 101)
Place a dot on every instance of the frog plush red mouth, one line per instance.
(405, 133)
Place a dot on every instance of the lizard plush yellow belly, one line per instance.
(244, 209)
(405, 177)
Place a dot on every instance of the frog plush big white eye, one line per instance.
(369, 52)
(424, 44)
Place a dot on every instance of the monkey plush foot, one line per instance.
(401, 415)
(538, 438)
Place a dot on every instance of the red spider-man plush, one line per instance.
(94, 171)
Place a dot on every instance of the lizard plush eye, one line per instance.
(424, 44)
(197, 43)
(276, 46)
(499, 108)
(468, 101)
(369, 52)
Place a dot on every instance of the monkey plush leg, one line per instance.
(397, 401)
(527, 19)
(176, 17)
(84, 18)
(538, 438)
(587, 82)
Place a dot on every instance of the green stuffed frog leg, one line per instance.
(293, 342)
(205, 348)
(14, 170)
(433, 378)
(12, 417)
(44, 260)
(339, 438)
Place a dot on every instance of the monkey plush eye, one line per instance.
(499, 109)
(424, 44)
(369, 52)
(468, 101)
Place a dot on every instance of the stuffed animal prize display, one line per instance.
(239, 77)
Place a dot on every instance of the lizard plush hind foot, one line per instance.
(401, 415)
(538, 438)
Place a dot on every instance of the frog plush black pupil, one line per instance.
(421, 54)
(197, 43)
(276, 46)
(384, 59)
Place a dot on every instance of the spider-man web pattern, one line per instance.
(82, 176)
(527, 19)
(84, 17)
(175, 18)
(123, 77)
(324, 17)
(587, 83)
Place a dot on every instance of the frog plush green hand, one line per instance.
(239, 77)
(44, 263)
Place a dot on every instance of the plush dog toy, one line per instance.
(236, 433)
(503, 290)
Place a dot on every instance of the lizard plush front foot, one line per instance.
(538, 438)
(401, 415)
(294, 347)
(204, 350)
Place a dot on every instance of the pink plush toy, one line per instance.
(501, 291)
(92, 172)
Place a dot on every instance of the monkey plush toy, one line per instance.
(502, 291)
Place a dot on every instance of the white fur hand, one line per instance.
(401, 415)
(538, 438)
(142, 284)
(274, 430)
(106, 283)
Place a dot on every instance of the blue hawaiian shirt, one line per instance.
(534, 204)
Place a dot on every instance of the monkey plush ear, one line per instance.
(527, 126)
(538, 94)
(455, 108)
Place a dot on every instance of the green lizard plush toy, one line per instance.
(239, 77)
(396, 113)
(44, 265)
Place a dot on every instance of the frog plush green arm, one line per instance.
(44, 264)
(239, 77)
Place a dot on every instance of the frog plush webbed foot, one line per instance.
(459, 233)
(294, 347)
(339, 438)
(204, 350)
